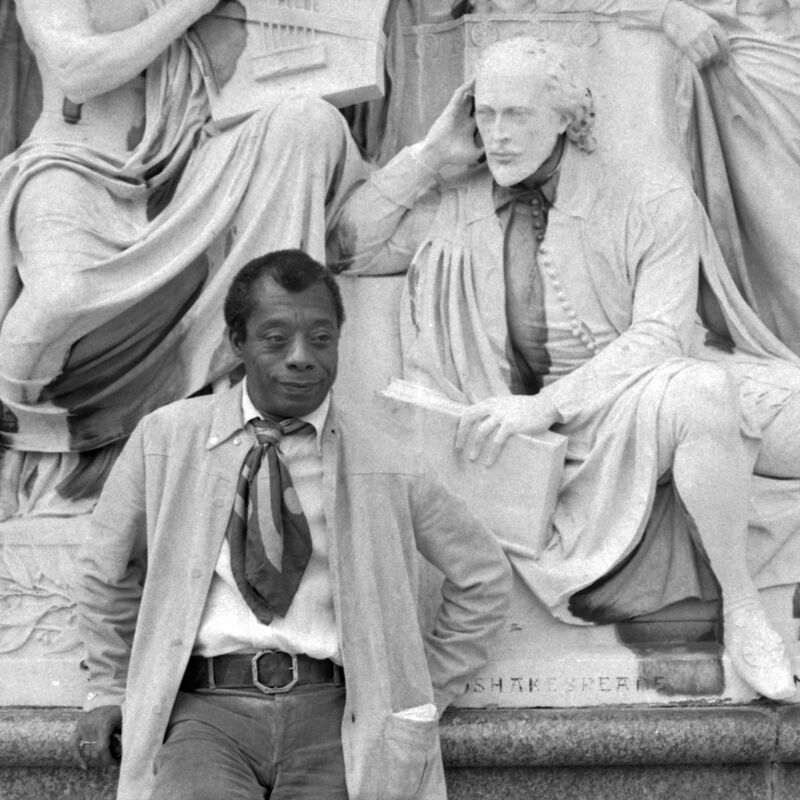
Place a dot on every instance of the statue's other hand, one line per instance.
(452, 139)
(90, 744)
(695, 34)
(486, 426)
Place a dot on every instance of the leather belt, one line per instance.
(269, 671)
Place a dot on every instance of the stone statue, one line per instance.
(741, 135)
(740, 99)
(126, 211)
(554, 291)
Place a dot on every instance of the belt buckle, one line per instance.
(287, 687)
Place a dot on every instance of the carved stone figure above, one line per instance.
(124, 212)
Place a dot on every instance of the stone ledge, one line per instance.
(659, 752)
(620, 736)
(38, 737)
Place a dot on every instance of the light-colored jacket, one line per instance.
(150, 556)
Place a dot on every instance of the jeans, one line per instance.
(245, 745)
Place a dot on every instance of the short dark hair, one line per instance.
(292, 270)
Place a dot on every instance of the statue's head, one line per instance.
(525, 98)
(284, 312)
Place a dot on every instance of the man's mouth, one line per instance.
(299, 386)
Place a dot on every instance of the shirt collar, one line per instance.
(316, 418)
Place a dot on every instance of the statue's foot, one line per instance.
(757, 652)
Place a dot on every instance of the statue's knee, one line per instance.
(301, 121)
(705, 395)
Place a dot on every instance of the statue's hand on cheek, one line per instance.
(452, 137)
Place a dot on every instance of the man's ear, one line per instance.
(236, 342)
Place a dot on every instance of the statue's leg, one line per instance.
(66, 224)
(699, 438)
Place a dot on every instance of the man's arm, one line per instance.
(86, 64)
(111, 566)
(475, 593)
(691, 30)
(386, 218)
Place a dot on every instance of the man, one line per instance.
(196, 632)
(553, 291)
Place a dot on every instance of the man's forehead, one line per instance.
(273, 300)
(510, 84)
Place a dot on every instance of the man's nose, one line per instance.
(299, 355)
(499, 129)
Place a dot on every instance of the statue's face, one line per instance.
(516, 121)
(290, 353)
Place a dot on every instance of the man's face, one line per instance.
(516, 122)
(291, 349)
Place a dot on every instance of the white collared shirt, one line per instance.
(228, 625)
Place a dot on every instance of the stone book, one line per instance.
(515, 497)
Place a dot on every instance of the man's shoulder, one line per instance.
(188, 418)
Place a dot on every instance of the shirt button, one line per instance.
(176, 642)
(213, 439)
(196, 573)
(237, 440)
(91, 695)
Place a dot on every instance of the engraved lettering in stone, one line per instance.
(552, 684)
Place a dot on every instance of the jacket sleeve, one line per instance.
(386, 218)
(475, 592)
(111, 567)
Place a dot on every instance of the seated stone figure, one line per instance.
(552, 290)
(124, 214)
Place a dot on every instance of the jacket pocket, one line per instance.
(409, 748)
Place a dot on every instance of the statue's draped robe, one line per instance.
(610, 510)
(742, 120)
(119, 310)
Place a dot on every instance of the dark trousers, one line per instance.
(250, 746)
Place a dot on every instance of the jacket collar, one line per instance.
(578, 184)
(226, 416)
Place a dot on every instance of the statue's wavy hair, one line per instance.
(548, 59)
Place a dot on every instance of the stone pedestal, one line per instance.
(40, 650)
